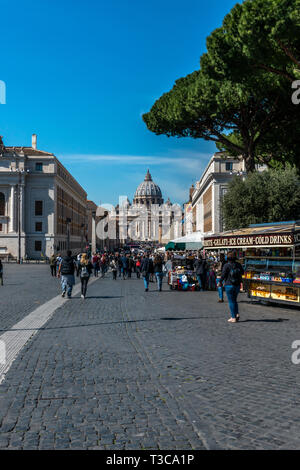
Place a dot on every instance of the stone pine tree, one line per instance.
(242, 105)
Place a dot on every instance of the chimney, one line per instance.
(33, 141)
(192, 189)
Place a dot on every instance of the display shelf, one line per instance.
(274, 283)
(277, 301)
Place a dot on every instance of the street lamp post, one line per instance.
(94, 240)
(68, 220)
(82, 228)
(19, 216)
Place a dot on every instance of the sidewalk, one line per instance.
(126, 369)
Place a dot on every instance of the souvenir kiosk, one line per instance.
(182, 276)
(270, 254)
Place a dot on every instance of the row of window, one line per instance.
(2, 204)
(60, 247)
(38, 206)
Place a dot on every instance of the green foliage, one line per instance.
(241, 96)
(270, 196)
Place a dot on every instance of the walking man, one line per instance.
(146, 269)
(66, 273)
(125, 264)
(53, 262)
(158, 270)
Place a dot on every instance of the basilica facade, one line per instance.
(147, 219)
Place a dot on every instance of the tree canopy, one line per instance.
(269, 196)
(241, 96)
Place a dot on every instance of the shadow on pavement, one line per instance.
(278, 320)
(100, 297)
(105, 323)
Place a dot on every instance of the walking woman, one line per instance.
(84, 271)
(232, 278)
(114, 268)
(158, 270)
(1, 273)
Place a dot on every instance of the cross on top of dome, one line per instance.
(148, 177)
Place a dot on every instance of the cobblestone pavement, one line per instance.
(25, 287)
(125, 369)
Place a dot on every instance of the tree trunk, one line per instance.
(249, 161)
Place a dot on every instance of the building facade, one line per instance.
(147, 219)
(207, 196)
(42, 207)
(210, 190)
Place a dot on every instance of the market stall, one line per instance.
(182, 276)
(192, 241)
(270, 254)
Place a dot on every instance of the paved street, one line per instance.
(126, 369)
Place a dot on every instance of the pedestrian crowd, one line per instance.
(121, 264)
(221, 274)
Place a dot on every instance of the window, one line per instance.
(39, 166)
(229, 166)
(1, 228)
(38, 207)
(38, 226)
(38, 245)
(2, 204)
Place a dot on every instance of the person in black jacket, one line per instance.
(146, 269)
(85, 269)
(66, 273)
(232, 277)
(158, 270)
(201, 272)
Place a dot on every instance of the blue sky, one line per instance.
(81, 74)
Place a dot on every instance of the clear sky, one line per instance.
(80, 74)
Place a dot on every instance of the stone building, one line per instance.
(42, 207)
(147, 219)
(207, 196)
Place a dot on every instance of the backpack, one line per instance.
(84, 272)
(67, 266)
(235, 277)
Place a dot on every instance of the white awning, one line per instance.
(195, 237)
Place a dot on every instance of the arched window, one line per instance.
(2, 204)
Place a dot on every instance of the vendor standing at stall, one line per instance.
(201, 272)
(232, 277)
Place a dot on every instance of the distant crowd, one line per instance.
(212, 272)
